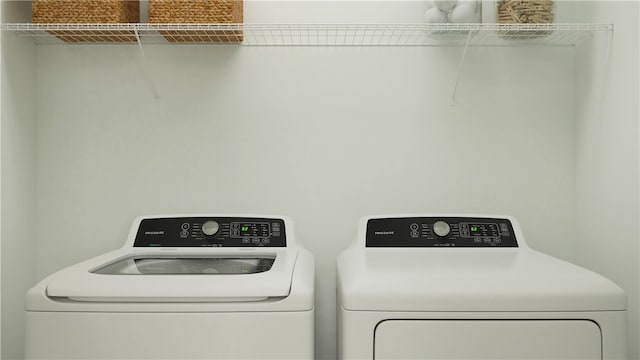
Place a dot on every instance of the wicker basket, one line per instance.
(87, 12)
(525, 12)
(198, 12)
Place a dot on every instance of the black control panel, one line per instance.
(440, 232)
(211, 232)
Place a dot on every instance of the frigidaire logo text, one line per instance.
(154, 232)
(384, 232)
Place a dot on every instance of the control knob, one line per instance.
(441, 228)
(210, 227)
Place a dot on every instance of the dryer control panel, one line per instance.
(440, 232)
(211, 232)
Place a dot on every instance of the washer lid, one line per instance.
(470, 280)
(186, 277)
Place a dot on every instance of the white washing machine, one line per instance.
(182, 287)
(468, 287)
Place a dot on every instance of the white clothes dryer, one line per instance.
(468, 287)
(182, 287)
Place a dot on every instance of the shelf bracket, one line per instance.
(464, 55)
(145, 64)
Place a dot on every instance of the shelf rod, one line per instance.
(464, 55)
(145, 64)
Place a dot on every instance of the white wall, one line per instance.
(18, 182)
(1, 6)
(608, 234)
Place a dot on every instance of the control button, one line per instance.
(246, 241)
(477, 239)
(413, 226)
(256, 241)
(235, 226)
(210, 227)
(276, 233)
(184, 234)
(235, 233)
(487, 240)
(441, 228)
(185, 226)
(414, 234)
(497, 240)
(266, 241)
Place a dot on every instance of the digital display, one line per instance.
(250, 230)
(479, 229)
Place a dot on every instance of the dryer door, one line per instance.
(487, 339)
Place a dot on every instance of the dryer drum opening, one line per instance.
(143, 265)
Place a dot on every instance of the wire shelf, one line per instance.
(312, 34)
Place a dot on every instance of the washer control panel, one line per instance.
(211, 232)
(440, 232)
